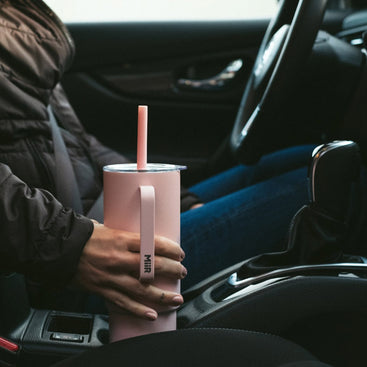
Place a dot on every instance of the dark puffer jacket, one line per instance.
(40, 237)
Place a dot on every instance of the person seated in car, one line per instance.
(246, 210)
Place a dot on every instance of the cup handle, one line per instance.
(147, 223)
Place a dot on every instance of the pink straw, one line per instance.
(142, 137)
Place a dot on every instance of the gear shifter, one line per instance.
(318, 231)
(333, 169)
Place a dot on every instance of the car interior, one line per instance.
(219, 93)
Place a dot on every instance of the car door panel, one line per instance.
(120, 65)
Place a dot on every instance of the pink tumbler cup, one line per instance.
(147, 202)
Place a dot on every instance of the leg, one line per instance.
(240, 225)
(241, 176)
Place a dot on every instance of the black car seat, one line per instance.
(25, 341)
(198, 347)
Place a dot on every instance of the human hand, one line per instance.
(195, 206)
(109, 266)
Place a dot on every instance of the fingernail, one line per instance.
(177, 300)
(184, 273)
(151, 315)
(182, 255)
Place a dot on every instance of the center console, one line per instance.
(31, 337)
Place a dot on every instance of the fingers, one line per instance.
(168, 255)
(129, 293)
(118, 252)
(163, 247)
(168, 248)
(119, 240)
(109, 265)
(125, 303)
(148, 293)
(169, 268)
(199, 205)
(130, 263)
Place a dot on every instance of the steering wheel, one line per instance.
(286, 45)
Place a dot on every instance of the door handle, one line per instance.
(215, 83)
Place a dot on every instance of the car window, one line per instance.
(161, 10)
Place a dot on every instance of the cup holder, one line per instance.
(70, 324)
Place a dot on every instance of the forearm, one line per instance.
(39, 237)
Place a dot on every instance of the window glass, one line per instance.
(161, 10)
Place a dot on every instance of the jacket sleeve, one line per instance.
(102, 155)
(39, 237)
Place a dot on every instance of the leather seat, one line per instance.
(198, 347)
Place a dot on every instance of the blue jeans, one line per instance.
(247, 211)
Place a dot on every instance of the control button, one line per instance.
(73, 338)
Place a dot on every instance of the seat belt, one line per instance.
(96, 211)
(68, 193)
(66, 185)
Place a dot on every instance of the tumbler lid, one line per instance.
(150, 167)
